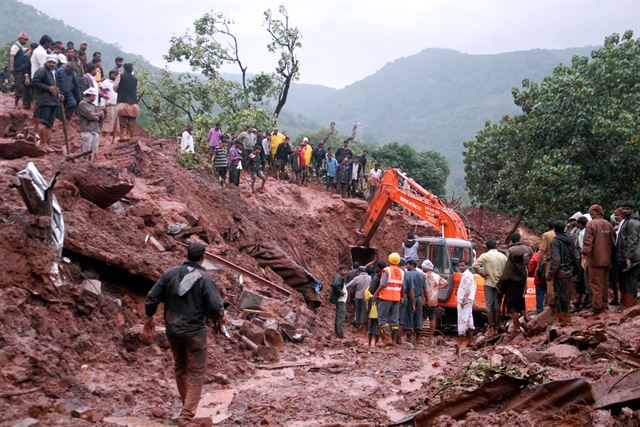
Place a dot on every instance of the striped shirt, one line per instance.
(220, 160)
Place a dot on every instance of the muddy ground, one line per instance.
(69, 356)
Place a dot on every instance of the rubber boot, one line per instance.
(398, 337)
(416, 338)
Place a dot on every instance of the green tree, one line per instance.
(429, 168)
(575, 143)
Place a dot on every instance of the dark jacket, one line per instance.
(343, 153)
(343, 173)
(69, 86)
(598, 242)
(42, 80)
(628, 244)
(336, 288)
(296, 161)
(186, 315)
(318, 155)
(283, 152)
(563, 257)
(127, 89)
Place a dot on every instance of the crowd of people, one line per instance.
(63, 83)
(271, 153)
(589, 263)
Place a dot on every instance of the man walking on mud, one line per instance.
(189, 297)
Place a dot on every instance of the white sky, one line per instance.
(345, 41)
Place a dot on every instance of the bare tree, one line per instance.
(285, 39)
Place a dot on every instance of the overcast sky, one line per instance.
(344, 41)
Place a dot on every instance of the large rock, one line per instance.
(248, 299)
(559, 354)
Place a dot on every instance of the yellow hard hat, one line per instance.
(394, 258)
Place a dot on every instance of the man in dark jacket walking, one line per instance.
(189, 297)
(628, 253)
(562, 267)
(597, 253)
(46, 91)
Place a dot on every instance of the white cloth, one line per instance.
(266, 146)
(617, 230)
(377, 174)
(94, 84)
(186, 143)
(15, 48)
(112, 95)
(344, 295)
(465, 297)
(38, 59)
(354, 171)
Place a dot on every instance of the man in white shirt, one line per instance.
(110, 96)
(39, 54)
(186, 141)
(375, 175)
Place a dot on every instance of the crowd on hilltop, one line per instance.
(64, 83)
(588, 263)
(272, 152)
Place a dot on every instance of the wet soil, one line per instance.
(70, 357)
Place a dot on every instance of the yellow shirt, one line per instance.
(307, 155)
(275, 141)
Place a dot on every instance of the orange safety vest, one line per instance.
(395, 278)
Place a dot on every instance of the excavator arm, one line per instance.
(415, 199)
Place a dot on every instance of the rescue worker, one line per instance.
(410, 247)
(434, 282)
(389, 294)
(189, 297)
(407, 302)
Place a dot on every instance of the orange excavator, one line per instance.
(454, 242)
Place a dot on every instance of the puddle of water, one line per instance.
(134, 422)
(215, 403)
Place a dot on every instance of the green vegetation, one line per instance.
(575, 142)
(206, 98)
(429, 168)
(433, 100)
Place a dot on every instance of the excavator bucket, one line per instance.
(363, 255)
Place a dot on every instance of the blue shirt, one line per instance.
(332, 166)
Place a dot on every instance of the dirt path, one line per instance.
(306, 386)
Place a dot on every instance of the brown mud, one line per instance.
(69, 356)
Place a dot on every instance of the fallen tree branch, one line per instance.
(345, 412)
(19, 392)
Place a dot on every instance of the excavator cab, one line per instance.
(440, 251)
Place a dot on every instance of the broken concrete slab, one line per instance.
(248, 299)
(618, 392)
(92, 285)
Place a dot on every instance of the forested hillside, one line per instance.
(435, 99)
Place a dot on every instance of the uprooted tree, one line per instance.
(575, 143)
(172, 99)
